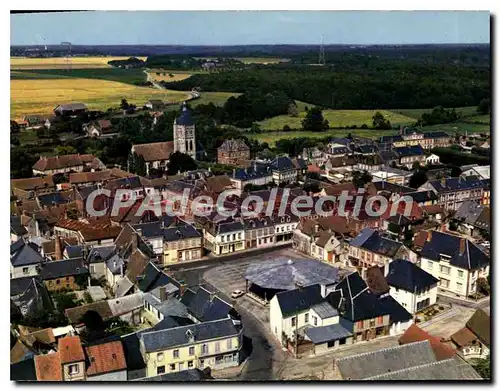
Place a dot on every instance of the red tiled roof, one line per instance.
(94, 231)
(338, 189)
(432, 209)
(32, 183)
(65, 161)
(48, 367)
(70, 349)
(416, 334)
(154, 151)
(463, 337)
(83, 177)
(105, 358)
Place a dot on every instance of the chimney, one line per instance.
(163, 293)
(139, 231)
(58, 250)
(429, 236)
(462, 246)
(182, 288)
(234, 172)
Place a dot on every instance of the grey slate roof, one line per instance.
(371, 240)
(179, 336)
(19, 285)
(332, 332)
(284, 274)
(73, 251)
(123, 286)
(185, 118)
(422, 196)
(470, 213)
(16, 227)
(63, 268)
(282, 163)
(35, 298)
(193, 375)
(366, 365)
(457, 184)
(406, 275)
(325, 310)
(23, 253)
(205, 306)
(413, 150)
(294, 301)
(451, 369)
(443, 243)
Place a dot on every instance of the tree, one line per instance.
(124, 104)
(180, 162)
(314, 120)
(415, 166)
(286, 128)
(483, 367)
(64, 301)
(293, 111)
(14, 127)
(379, 121)
(138, 164)
(418, 178)
(360, 178)
(62, 150)
(484, 106)
(171, 75)
(21, 162)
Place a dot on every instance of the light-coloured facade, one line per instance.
(415, 301)
(24, 271)
(225, 243)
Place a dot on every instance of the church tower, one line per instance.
(184, 135)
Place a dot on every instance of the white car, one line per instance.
(237, 293)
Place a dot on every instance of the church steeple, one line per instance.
(184, 133)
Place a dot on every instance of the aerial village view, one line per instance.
(304, 199)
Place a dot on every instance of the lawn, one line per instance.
(417, 113)
(41, 96)
(130, 76)
(62, 63)
(483, 118)
(161, 75)
(272, 137)
(460, 127)
(336, 118)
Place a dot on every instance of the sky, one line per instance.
(250, 27)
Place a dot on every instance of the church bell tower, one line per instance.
(184, 134)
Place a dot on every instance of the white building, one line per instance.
(410, 286)
(432, 159)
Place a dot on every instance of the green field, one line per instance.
(417, 113)
(272, 137)
(484, 119)
(336, 119)
(217, 98)
(129, 76)
(460, 127)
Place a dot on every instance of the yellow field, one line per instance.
(164, 75)
(62, 63)
(41, 96)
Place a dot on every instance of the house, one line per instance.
(369, 163)
(432, 159)
(97, 259)
(413, 361)
(100, 128)
(232, 152)
(155, 155)
(340, 163)
(473, 340)
(410, 155)
(259, 232)
(215, 344)
(70, 109)
(203, 305)
(25, 260)
(155, 104)
(34, 120)
(423, 198)
(370, 248)
(411, 286)
(69, 274)
(283, 170)
(456, 261)
(256, 174)
(106, 362)
(452, 192)
(315, 156)
(372, 315)
(98, 361)
(284, 226)
(17, 230)
(335, 149)
(30, 296)
(301, 319)
(441, 350)
(392, 175)
(482, 172)
(473, 219)
(27, 188)
(412, 137)
(66, 163)
(224, 237)
(86, 232)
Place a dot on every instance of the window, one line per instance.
(161, 369)
(444, 283)
(204, 348)
(294, 321)
(74, 369)
(159, 357)
(429, 264)
(172, 367)
(380, 320)
(460, 273)
(217, 346)
(26, 270)
(229, 344)
(176, 353)
(202, 363)
(190, 364)
(58, 282)
(444, 269)
(239, 235)
(459, 285)
(330, 344)
(306, 318)
(191, 350)
(315, 321)
(342, 341)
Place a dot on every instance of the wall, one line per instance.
(97, 270)
(64, 283)
(323, 348)
(113, 376)
(275, 318)
(17, 272)
(76, 377)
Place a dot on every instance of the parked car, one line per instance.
(237, 293)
